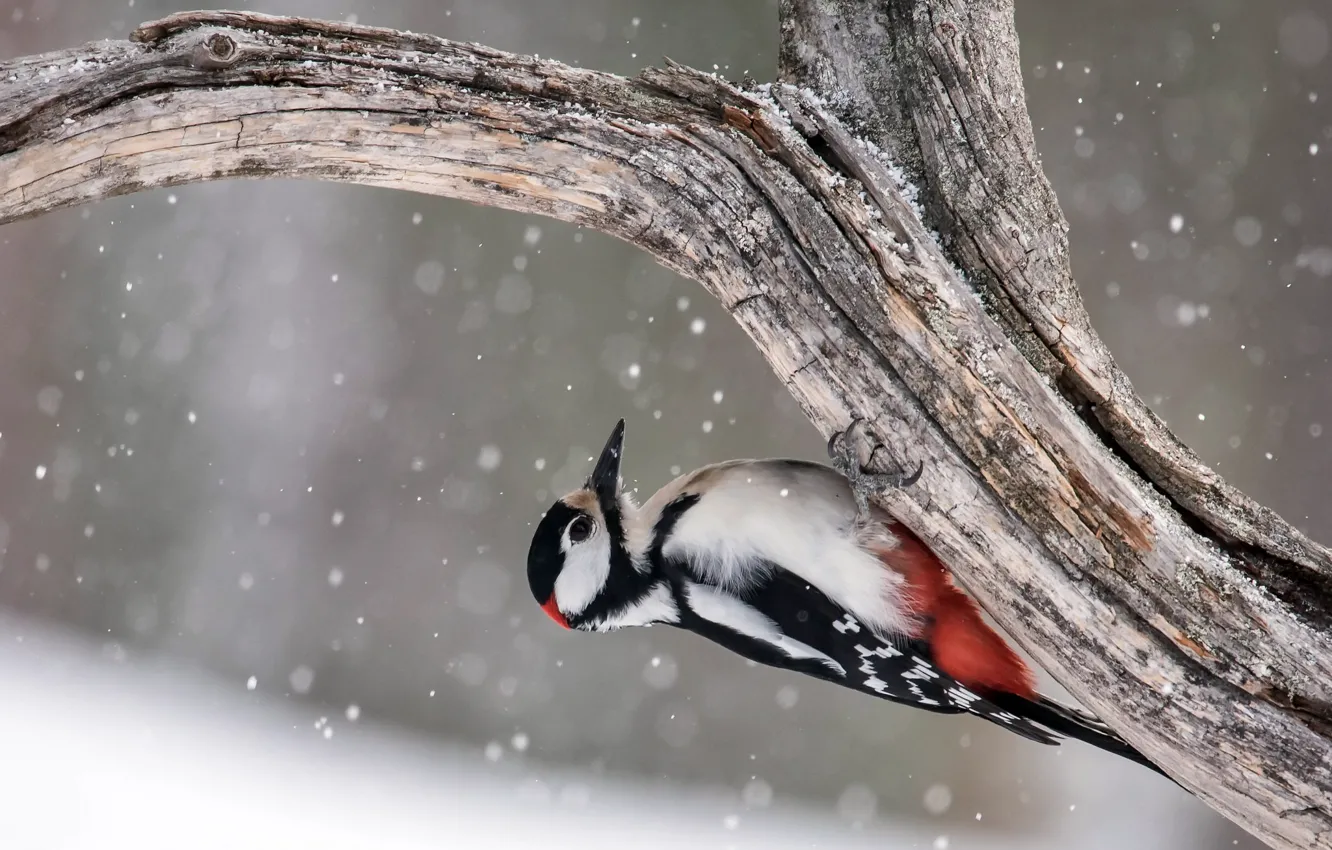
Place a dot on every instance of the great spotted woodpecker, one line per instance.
(784, 562)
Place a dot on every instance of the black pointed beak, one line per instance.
(605, 477)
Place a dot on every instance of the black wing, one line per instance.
(900, 669)
(903, 671)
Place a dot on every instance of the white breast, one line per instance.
(801, 517)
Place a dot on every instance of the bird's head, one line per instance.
(580, 567)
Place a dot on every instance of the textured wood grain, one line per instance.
(1193, 621)
(945, 101)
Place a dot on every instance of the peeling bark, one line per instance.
(1195, 622)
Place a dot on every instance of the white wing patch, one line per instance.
(847, 624)
(961, 697)
(920, 671)
(872, 680)
(923, 670)
(722, 608)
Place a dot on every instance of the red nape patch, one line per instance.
(964, 645)
(553, 611)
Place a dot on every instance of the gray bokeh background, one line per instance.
(297, 435)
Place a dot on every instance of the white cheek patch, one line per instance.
(726, 610)
(586, 569)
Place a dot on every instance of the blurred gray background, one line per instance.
(296, 435)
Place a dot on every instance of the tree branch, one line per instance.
(1196, 623)
(945, 102)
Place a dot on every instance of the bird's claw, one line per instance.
(864, 483)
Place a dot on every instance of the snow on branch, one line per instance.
(1195, 622)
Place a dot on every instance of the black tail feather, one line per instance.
(1072, 723)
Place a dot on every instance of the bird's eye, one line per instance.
(581, 529)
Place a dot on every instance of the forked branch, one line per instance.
(1195, 622)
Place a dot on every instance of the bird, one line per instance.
(786, 563)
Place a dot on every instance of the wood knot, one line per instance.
(215, 51)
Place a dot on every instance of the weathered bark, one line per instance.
(1192, 620)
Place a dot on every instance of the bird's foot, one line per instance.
(864, 482)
